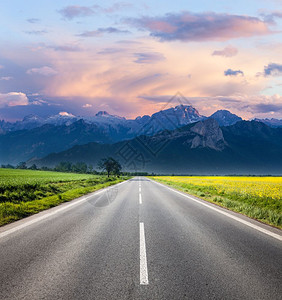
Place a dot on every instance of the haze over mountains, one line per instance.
(175, 140)
(247, 147)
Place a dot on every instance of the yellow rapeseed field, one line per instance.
(258, 197)
(262, 187)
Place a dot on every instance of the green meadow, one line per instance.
(26, 192)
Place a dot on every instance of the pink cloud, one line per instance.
(87, 105)
(160, 26)
(45, 71)
(65, 114)
(228, 51)
(13, 99)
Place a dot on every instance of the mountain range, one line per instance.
(179, 116)
(247, 147)
(175, 140)
(37, 137)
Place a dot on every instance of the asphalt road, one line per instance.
(139, 240)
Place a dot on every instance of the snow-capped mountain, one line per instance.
(33, 121)
(166, 119)
(178, 116)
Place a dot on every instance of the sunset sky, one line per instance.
(130, 58)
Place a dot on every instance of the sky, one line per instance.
(132, 58)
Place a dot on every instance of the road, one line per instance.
(139, 240)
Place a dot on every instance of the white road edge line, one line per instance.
(265, 231)
(143, 257)
(12, 230)
(140, 198)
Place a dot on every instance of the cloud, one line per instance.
(44, 71)
(117, 6)
(277, 14)
(87, 105)
(38, 102)
(115, 79)
(36, 32)
(270, 18)
(33, 20)
(149, 57)
(129, 42)
(157, 99)
(6, 78)
(231, 72)
(65, 114)
(186, 26)
(13, 99)
(1, 67)
(228, 51)
(101, 31)
(66, 48)
(75, 11)
(273, 69)
(110, 51)
(267, 107)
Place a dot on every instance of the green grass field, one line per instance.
(257, 197)
(26, 192)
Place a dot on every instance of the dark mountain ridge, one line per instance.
(200, 148)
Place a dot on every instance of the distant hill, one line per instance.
(247, 147)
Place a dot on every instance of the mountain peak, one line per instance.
(225, 117)
(31, 117)
(102, 113)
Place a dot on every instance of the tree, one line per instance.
(63, 166)
(8, 166)
(110, 165)
(90, 169)
(79, 167)
(44, 168)
(33, 167)
(22, 165)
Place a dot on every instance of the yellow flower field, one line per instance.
(257, 197)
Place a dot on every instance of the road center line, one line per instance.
(143, 257)
(140, 198)
(272, 234)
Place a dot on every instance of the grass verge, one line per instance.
(24, 198)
